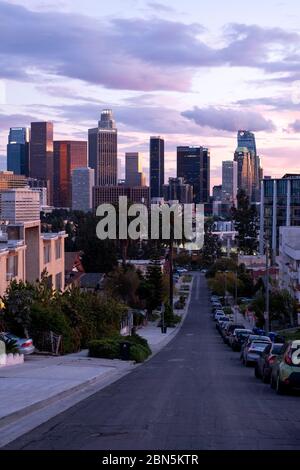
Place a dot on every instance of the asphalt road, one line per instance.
(194, 394)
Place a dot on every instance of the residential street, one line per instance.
(194, 394)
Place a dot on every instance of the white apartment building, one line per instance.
(289, 260)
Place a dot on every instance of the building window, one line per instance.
(12, 266)
(47, 253)
(58, 281)
(58, 249)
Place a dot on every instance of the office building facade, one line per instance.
(178, 190)
(229, 182)
(111, 194)
(68, 155)
(82, 189)
(103, 150)
(247, 140)
(18, 150)
(242, 157)
(134, 175)
(280, 207)
(157, 166)
(20, 205)
(193, 165)
(41, 154)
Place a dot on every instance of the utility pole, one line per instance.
(267, 312)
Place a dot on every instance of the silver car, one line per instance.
(24, 345)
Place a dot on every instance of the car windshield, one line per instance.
(259, 346)
(243, 333)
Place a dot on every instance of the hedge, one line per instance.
(109, 348)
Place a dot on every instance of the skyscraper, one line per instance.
(229, 181)
(103, 148)
(247, 139)
(41, 154)
(134, 175)
(82, 189)
(245, 170)
(68, 155)
(178, 190)
(157, 166)
(18, 151)
(193, 164)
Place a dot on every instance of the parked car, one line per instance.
(229, 331)
(264, 363)
(220, 321)
(25, 345)
(285, 373)
(221, 325)
(253, 349)
(237, 339)
(218, 314)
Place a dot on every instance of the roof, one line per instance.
(91, 280)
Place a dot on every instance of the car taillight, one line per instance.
(288, 359)
(271, 359)
(27, 344)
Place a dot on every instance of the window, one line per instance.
(12, 266)
(47, 253)
(58, 249)
(58, 281)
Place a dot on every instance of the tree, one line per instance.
(123, 284)
(151, 288)
(246, 224)
(18, 301)
(283, 308)
(212, 245)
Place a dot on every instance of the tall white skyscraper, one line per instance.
(103, 149)
(82, 189)
(229, 181)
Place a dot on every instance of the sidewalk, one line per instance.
(43, 387)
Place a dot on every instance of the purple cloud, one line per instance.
(15, 120)
(134, 53)
(295, 126)
(228, 119)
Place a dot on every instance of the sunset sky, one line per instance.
(194, 72)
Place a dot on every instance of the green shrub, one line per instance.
(138, 353)
(110, 348)
(105, 348)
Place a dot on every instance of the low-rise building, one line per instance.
(289, 260)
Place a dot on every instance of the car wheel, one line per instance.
(265, 378)
(280, 387)
(272, 383)
(256, 372)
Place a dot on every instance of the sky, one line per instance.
(194, 72)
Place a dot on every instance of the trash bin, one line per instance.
(125, 350)
(164, 329)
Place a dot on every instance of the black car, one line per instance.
(264, 364)
(229, 331)
(238, 338)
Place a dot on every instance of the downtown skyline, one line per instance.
(212, 76)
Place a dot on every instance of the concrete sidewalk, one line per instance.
(42, 387)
